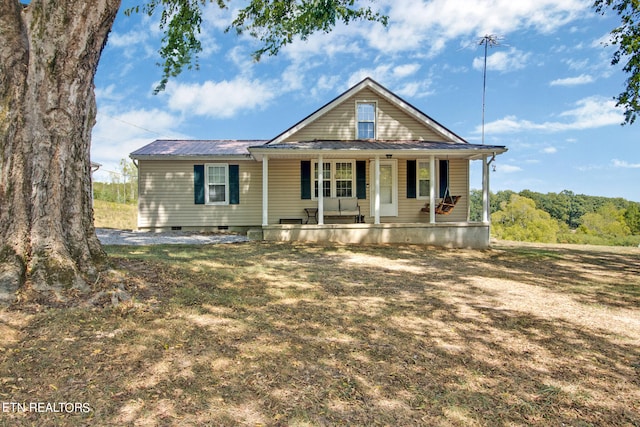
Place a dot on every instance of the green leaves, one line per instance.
(627, 39)
(275, 23)
(181, 22)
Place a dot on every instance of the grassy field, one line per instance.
(305, 334)
(115, 215)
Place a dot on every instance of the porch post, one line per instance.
(485, 190)
(265, 190)
(320, 191)
(376, 197)
(432, 190)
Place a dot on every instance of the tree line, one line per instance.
(122, 186)
(563, 217)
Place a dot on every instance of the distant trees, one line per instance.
(578, 218)
(518, 219)
(607, 221)
(123, 185)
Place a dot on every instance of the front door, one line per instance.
(388, 188)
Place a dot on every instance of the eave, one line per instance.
(371, 149)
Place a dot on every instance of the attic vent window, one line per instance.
(366, 120)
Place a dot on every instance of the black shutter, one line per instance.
(411, 179)
(361, 179)
(444, 177)
(198, 184)
(234, 184)
(305, 180)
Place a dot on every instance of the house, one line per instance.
(389, 174)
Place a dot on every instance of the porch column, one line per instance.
(485, 190)
(265, 190)
(320, 191)
(432, 189)
(376, 197)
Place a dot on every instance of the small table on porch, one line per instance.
(312, 213)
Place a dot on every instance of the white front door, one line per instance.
(388, 187)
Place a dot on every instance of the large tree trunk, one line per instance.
(49, 51)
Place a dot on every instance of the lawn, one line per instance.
(308, 334)
(115, 215)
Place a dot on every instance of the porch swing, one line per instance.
(447, 203)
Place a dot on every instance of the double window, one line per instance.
(217, 184)
(337, 179)
(366, 112)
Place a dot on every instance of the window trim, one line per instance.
(375, 118)
(333, 186)
(226, 183)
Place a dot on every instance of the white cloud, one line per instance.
(406, 70)
(219, 99)
(383, 74)
(550, 150)
(393, 77)
(575, 64)
(108, 93)
(342, 39)
(116, 134)
(624, 164)
(573, 81)
(592, 112)
(504, 61)
(128, 39)
(508, 168)
(429, 25)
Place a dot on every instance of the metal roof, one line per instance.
(192, 149)
(368, 148)
(377, 145)
(195, 148)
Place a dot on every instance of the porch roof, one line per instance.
(366, 148)
(176, 149)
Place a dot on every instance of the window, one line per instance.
(344, 179)
(366, 120)
(337, 179)
(326, 180)
(424, 180)
(217, 185)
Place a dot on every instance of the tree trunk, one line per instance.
(49, 51)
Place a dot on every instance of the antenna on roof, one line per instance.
(487, 40)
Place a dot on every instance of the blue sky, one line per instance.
(549, 93)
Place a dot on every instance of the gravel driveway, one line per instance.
(109, 236)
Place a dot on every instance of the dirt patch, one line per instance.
(300, 334)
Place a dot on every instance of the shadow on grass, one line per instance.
(293, 334)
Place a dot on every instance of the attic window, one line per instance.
(366, 120)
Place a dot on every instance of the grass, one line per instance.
(307, 334)
(115, 215)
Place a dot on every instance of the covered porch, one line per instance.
(399, 187)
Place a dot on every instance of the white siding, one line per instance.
(340, 122)
(167, 197)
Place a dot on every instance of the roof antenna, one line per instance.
(487, 40)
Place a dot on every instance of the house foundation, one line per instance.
(448, 235)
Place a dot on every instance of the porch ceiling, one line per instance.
(369, 149)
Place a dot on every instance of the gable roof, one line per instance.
(383, 92)
(189, 149)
